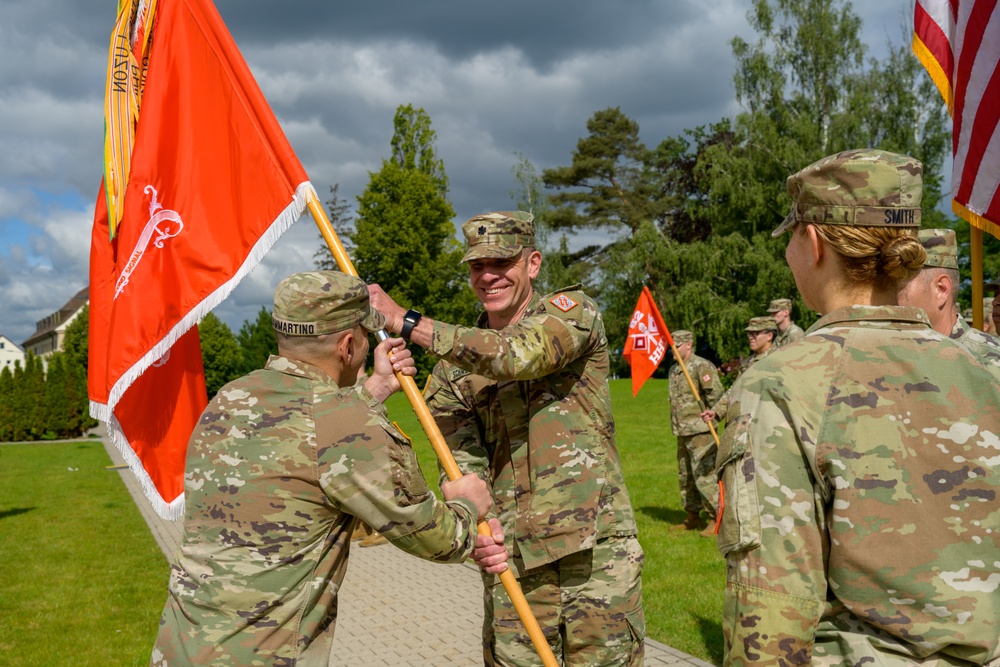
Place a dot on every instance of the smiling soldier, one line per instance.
(523, 401)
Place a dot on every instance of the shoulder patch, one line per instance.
(706, 378)
(563, 303)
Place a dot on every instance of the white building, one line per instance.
(10, 354)
(49, 332)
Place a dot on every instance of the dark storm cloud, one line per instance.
(496, 78)
(546, 32)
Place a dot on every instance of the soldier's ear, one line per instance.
(942, 289)
(534, 264)
(345, 347)
(817, 246)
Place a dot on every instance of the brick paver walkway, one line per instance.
(395, 609)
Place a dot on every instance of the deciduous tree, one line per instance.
(220, 353)
(256, 341)
(404, 232)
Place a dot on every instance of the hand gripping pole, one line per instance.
(694, 389)
(444, 454)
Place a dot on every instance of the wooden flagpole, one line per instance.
(694, 389)
(976, 252)
(444, 454)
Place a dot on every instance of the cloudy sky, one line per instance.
(496, 78)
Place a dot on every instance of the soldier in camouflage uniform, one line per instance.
(282, 464)
(523, 400)
(991, 310)
(761, 334)
(695, 445)
(788, 331)
(935, 290)
(989, 307)
(860, 521)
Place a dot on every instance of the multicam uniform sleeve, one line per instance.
(458, 423)
(540, 344)
(712, 387)
(771, 529)
(368, 469)
(721, 405)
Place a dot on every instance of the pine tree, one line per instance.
(33, 395)
(55, 422)
(6, 404)
(75, 345)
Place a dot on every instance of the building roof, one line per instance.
(46, 326)
(8, 339)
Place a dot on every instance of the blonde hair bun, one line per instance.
(902, 258)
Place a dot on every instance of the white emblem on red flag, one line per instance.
(167, 231)
(647, 337)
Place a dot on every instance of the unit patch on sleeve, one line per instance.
(563, 303)
(706, 378)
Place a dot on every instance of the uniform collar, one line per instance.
(298, 368)
(897, 316)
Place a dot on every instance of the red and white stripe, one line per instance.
(958, 41)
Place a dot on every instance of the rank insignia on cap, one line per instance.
(481, 230)
(706, 378)
(563, 303)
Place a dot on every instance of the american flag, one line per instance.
(958, 41)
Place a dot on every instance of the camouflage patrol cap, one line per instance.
(941, 247)
(498, 235)
(313, 303)
(778, 305)
(762, 324)
(862, 188)
(683, 336)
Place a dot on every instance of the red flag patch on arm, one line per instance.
(563, 303)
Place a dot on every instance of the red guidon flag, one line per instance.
(211, 183)
(958, 41)
(648, 340)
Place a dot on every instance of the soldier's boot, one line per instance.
(373, 540)
(710, 530)
(691, 522)
(361, 531)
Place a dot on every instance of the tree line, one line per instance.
(691, 216)
(48, 401)
(227, 356)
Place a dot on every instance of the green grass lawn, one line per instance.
(82, 581)
(684, 576)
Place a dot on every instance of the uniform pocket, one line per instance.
(408, 482)
(739, 515)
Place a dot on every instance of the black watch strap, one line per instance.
(409, 321)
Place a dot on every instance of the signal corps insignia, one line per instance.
(563, 303)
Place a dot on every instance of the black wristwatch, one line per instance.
(409, 321)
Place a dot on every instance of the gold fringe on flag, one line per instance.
(937, 73)
(974, 219)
